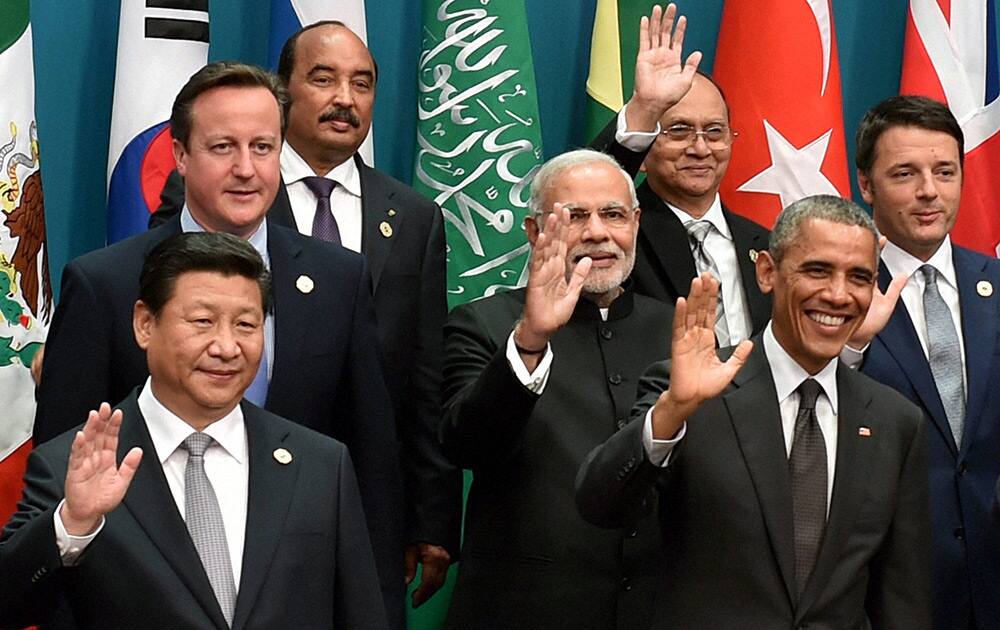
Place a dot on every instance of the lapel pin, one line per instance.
(864, 432)
(984, 288)
(391, 212)
(385, 228)
(753, 256)
(304, 284)
(282, 456)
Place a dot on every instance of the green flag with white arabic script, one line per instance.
(478, 138)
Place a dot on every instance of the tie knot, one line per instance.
(196, 443)
(320, 186)
(698, 230)
(930, 274)
(808, 393)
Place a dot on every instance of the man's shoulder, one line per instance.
(501, 303)
(284, 431)
(113, 259)
(402, 195)
(282, 238)
(967, 258)
(885, 403)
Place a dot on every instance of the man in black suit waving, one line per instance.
(792, 490)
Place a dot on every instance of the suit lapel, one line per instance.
(150, 503)
(753, 410)
(281, 209)
(747, 245)
(666, 233)
(900, 339)
(292, 314)
(377, 214)
(851, 474)
(271, 486)
(979, 321)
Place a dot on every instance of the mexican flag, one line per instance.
(25, 292)
(478, 138)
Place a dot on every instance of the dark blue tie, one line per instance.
(324, 224)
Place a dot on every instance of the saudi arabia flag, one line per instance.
(478, 138)
(25, 293)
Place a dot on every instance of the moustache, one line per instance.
(584, 250)
(341, 114)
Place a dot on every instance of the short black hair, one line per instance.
(222, 74)
(286, 60)
(903, 111)
(199, 251)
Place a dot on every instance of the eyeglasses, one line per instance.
(614, 217)
(715, 136)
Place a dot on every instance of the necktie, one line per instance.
(807, 464)
(204, 523)
(703, 261)
(324, 224)
(944, 353)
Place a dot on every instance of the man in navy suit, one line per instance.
(321, 366)
(216, 505)
(939, 345)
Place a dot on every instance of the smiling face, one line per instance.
(914, 188)
(588, 190)
(332, 87)
(822, 289)
(687, 175)
(231, 164)
(204, 346)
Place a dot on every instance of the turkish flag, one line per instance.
(950, 54)
(777, 64)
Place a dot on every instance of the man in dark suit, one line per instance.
(331, 78)
(321, 365)
(939, 343)
(792, 490)
(217, 505)
(684, 148)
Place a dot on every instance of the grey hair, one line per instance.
(825, 207)
(554, 167)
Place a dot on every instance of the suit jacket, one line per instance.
(726, 509)
(326, 369)
(529, 560)
(965, 544)
(408, 280)
(664, 265)
(142, 571)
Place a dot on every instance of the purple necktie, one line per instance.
(324, 224)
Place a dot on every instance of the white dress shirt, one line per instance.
(226, 466)
(345, 200)
(787, 375)
(719, 242)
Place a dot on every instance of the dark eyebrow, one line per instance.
(368, 74)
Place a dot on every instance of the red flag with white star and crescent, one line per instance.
(950, 54)
(777, 64)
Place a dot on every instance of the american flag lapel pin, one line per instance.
(864, 432)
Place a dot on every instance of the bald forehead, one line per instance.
(703, 100)
(328, 39)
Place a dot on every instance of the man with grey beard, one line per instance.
(534, 379)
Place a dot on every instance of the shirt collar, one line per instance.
(788, 374)
(902, 263)
(258, 239)
(167, 430)
(294, 168)
(713, 216)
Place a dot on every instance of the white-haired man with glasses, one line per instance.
(684, 147)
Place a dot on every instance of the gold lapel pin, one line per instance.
(282, 456)
(984, 288)
(385, 228)
(305, 284)
(391, 212)
(753, 256)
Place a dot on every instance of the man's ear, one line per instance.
(180, 156)
(143, 320)
(531, 228)
(865, 184)
(766, 267)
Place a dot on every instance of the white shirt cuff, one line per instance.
(536, 380)
(658, 451)
(637, 141)
(70, 547)
(852, 358)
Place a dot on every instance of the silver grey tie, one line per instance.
(703, 261)
(204, 523)
(944, 353)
